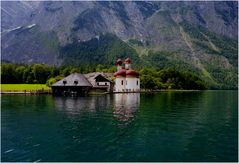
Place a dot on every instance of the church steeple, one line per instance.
(119, 64)
(127, 63)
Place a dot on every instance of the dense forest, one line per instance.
(150, 78)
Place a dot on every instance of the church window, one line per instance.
(122, 82)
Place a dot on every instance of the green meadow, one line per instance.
(22, 87)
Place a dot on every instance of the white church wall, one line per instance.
(132, 84)
(120, 84)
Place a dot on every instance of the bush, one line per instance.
(53, 80)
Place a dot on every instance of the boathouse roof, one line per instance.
(74, 79)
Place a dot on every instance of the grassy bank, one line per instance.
(23, 87)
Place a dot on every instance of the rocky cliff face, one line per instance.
(125, 19)
(202, 35)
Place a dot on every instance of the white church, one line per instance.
(127, 79)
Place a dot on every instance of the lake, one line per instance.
(164, 126)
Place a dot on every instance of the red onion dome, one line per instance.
(121, 72)
(128, 60)
(132, 73)
(119, 62)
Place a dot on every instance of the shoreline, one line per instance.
(49, 92)
(32, 92)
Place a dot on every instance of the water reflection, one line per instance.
(125, 107)
(76, 105)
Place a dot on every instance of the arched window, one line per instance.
(75, 82)
(122, 82)
(64, 82)
(137, 82)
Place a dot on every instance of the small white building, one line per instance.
(127, 79)
(100, 81)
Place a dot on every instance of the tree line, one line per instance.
(41, 73)
(170, 79)
(150, 78)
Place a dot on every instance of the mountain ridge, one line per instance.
(202, 35)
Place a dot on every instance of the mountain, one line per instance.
(200, 37)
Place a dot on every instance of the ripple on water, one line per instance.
(10, 150)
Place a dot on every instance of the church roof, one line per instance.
(132, 72)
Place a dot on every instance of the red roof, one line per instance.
(121, 72)
(132, 73)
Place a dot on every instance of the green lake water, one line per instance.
(165, 126)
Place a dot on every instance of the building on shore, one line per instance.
(78, 84)
(127, 79)
(100, 82)
(73, 85)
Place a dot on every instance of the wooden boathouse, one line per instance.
(73, 85)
